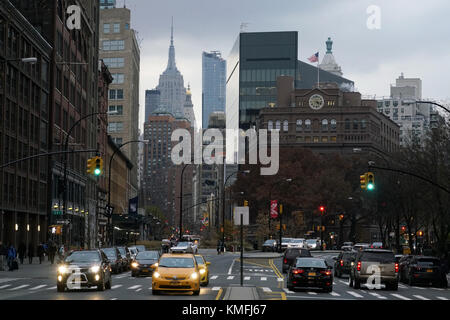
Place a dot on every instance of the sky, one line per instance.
(413, 38)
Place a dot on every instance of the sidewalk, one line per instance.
(32, 271)
(241, 293)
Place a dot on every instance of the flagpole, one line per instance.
(318, 70)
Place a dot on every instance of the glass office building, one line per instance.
(152, 102)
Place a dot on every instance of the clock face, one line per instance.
(316, 102)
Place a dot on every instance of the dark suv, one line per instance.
(290, 255)
(426, 270)
(344, 263)
(369, 260)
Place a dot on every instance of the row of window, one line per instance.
(118, 78)
(115, 127)
(116, 110)
(265, 74)
(113, 45)
(114, 62)
(325, 125)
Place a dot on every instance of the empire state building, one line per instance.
(171, 85)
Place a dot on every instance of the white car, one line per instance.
(184, 247)
(313, 244)
(133, 252)
(297, 243)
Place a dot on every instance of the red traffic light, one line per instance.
(322, 208)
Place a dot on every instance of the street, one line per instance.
(37, 282)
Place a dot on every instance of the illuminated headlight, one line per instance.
(97, 277)
(156, 274)
(194, 276)
(202, 271)
(135, 264)
(59, 278)
(352, 263)
(95, 269)
(62, 269)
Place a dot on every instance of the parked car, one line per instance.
(285, 242)
(125, 253)
(84, 269)
(426, 270)
(270, 245)
(290, 255)
(360, 246)
(344, 263)
(376, 245)
(297, 243)
(362, 269)
(313, 244)
(142, 263)
(114, 256)
(310, 273)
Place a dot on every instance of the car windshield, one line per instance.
(83, 256)
(147, 255)
(297, 240)
(383, 257)
(269, 242)
(428, 263)
(110, 253)
(182, 244)
(122, 251)
(297, 252)
(286, 240)
(199, 260)
(312, 241)
(310, 263)
(348, 256)
(172, 262)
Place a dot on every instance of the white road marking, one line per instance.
(402, 286)
(344, 282)
(134, 287)
(231, 267)
(267, 290)
(280, 279)
(312, 293)
(214, 277)
(19, 287)
(215, 288)
(263, 279)
(377, 295)
(246, 278)
(116, 286)
(442, 298)
(51, 288)
(38, 287)
(357, 295)
(334, 294)
(138, 290)
(399, 296)
(420, 297)
(421, 288)
(113, 298)
(230, 278)
(288, 291)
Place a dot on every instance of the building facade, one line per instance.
(24, 114)
(214, 72)
(152, 102)
(120, 51)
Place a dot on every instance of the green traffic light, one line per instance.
(370, 186)
(97, 172)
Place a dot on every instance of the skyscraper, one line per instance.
(120, 52)
(171, 85)
(213, 85)
(188, 110)
(152, 102)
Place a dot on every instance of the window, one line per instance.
(114, 62)
(127, 26)
(115, 127)
(270, 125)
(363, 124)
(347, 124)
(333, 125)
(316, 139)
(285, 126)
(117, 110)
(355, 124)
(118, 141)
(118, 78)
(113, 45)
(324, 125)
(106, 28)
(299, 125)
(307, 124)
(116, 94)
(116, 28)
(324, 139)
(278, 125)
(333, 139)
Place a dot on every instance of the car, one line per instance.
(376, 245)
(114, 256)
(125, 253)
(425, 270)
(365, 263)
(84, 269)
(270, 245)
(165, 245)
(297, 243)
(347, 248)
(403, 264)
(398, 257)
(347, 243)
(140, 248)
(310, 273)
(184, 247)
(290, 255)
(203, 269)
(142, 263)
(313, 244)
(176, 272)
(344, 262)
(360, 246)
(133, 252)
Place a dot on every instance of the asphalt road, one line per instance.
(39, 283)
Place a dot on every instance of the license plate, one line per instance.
(311, 274)
(175, 283)
(430, 270)
(144, 270)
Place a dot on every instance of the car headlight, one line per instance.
(63, 269)
(194, 276)
(135, 264)
(156, 274)
(95, 269)
(202, 271)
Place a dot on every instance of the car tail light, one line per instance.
(358, 266)
(326, 272)
(342, 263)
(396, 268)
(285, 261)
(298, 271)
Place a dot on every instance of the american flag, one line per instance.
(314, 58)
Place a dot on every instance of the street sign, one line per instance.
(109, 211)
(237, 215)
(274, 209)
(62, 221)
(57, 212)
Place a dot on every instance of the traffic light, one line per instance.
(98, 166)
(90, 165)
(363, 181)
(420, 233)
(341, 217)
(245, 203)
(370, 181)
(322, 210)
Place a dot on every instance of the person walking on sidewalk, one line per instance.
(40, 252)
(22, 250)
(12, 255)
(3, 254)
(30, 252)
(52, 251)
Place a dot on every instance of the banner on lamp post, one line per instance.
(274, 209)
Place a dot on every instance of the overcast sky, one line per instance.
(413, 38)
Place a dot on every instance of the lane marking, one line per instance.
(19, 287)
(116, 286)
(246, 278)
(38, 287)
(442, 298)
(265, 289)
(5, 286)
(263, 279)
(51, 288)
(113, 298)
(214, 277)
(219, 294)
(357, 295)
(335, 294)
(420, 297)
(134, 287)
(288, 291)
(312, 293)
(280, 279)
(215, 288)
(230, 278)
(231, 267)
(399, 296)
(377, 295)
(138, 290)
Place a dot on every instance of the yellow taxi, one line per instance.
(176, 272)
(203, 269)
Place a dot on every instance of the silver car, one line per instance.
(184, 247)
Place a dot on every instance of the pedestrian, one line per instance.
(11, 257)
(3, 254)
(52, 252)
(40, 252)
(45, 247)
(219, 246)
(61, 253)
(22, 250)
(30, 252)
